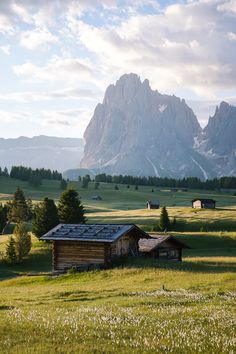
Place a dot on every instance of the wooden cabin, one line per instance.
(82, 245)
(96, 197)
(199, 203)
(153, 204)
(164, 248)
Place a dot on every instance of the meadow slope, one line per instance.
(139, 305)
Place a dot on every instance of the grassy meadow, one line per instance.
(137, 306)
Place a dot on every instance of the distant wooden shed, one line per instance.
(202, 203)
(162, 247)
(96, 197)
(153, 204)
(81, 245)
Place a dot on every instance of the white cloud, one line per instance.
(6, 26)
(5, 49)
(37, 38)
(65, 94)
(228, 6)
(57, 69)
(187, 47)
(231, 36)
(184, 46)
(59, 119)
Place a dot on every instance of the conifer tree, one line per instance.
(3, 218)
(96, 185)
(10, 253)
(18, 208)
(22, 241)
(30, 209)
(45, 217)
(63, 184)
(70, 209)
(85, 182)
(164, 222)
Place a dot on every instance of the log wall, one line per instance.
(67, 254)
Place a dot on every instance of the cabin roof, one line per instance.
(153, 202)
(90, 232)
(204, 200)
(148, 245)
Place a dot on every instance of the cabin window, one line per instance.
(173, 253)
(163, 254)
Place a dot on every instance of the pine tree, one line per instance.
(96, 185)
(85, 182)
(30, 209)
(70, 209)
(22, 241)
(164, 222)
(3, 218)
(10, 253)
(18, 208)
(45, 217)
(63, 184)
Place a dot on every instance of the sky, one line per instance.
(57, 57)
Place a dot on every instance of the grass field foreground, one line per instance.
(139, 306)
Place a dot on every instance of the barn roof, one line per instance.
(153, 202)
(204, 200)
(148, 245)
(90, 232)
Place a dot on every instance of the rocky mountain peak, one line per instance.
(125, 89)
(139, 131)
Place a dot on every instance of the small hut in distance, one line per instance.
(153, 204)
(162, 247)
(96, 197)
(200, 203)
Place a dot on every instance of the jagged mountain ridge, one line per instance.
(217, 141)
(141, 132)
(41, 151)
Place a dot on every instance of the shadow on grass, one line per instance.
(198, 266)
(204, 241)
(38, 262)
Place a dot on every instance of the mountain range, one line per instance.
(41, 151)
(139, 131)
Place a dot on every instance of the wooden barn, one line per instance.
(200, 203)
(153, 204)
(81, 245)
(96, 197)
(162, 247)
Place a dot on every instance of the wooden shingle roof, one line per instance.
(90, 232)
(148, 245)
(153, 202)
(204, 200)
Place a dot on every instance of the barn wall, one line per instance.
(124, 246)
(67, 254)
(197, 204)
(209, 205)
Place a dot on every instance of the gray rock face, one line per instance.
(141, 132)
(218, 141)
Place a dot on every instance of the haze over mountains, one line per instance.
(41, 151)
(139, 131)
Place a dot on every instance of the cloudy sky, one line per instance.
(57, 57)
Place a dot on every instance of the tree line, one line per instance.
(45, 215)
(188, 182)
(34, 177)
